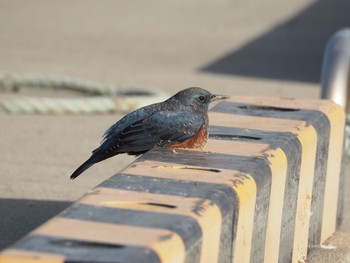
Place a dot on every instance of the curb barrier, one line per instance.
(265, 188)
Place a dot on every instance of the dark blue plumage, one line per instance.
(178, 121)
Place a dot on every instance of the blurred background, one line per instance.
(267, 48)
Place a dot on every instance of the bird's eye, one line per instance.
(201, 98)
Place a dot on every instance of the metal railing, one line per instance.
(335, 78)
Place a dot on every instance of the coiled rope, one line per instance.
(98, 98)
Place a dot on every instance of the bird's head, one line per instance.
(197, 98)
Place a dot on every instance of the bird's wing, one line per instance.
(126, 121)
(159, 129)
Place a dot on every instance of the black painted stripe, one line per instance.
(321, 124)
(223, 195)
(186, 227)
(341, 193)
(291, 146)
(75, 250)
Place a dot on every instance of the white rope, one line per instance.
(101, 99)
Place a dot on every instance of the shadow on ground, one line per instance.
(293, 50)
(19, 216)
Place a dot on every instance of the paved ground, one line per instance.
(247, 47)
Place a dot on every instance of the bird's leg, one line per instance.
(174, 152)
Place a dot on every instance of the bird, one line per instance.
(178, 122)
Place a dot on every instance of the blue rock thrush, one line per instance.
(179, 122)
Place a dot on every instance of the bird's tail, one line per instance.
(86, 165)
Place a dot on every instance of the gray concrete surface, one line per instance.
(235, 47)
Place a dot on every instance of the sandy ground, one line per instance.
(271, 48)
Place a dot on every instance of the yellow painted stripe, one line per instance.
(308, 140)
(245, 188)
(278, 163)
(167, 244)
(247, 199)
(256, 123)
(292, 103)
(209, 219)
(21, 256)
(185, 172)
(234, 147)
(336, 118)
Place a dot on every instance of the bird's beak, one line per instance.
(215, 97)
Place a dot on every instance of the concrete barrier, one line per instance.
(264, 189)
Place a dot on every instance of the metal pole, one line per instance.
(335, 78)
